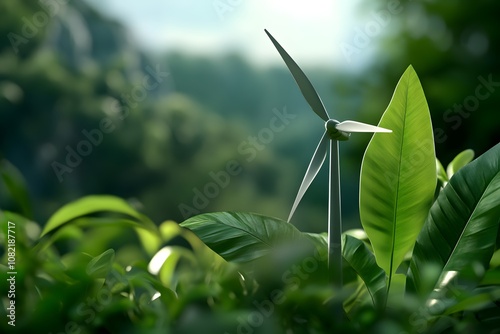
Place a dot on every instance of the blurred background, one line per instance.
(185, 107)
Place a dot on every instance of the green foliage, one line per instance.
(88, 205)
(16, 185)
(101, 265)
(459, 235)
(459, 161)
(453, 50)
(241, 237)
(436, 258)
(363, 261)
(462, 159)
(72, 212)
(398, 175)
(92, 290)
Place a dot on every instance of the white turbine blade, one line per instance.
(317, 161)
(352, 126)
(302, 81)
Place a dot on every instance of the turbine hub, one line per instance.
(333, 133)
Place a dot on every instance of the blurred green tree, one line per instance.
(454, 48)
(83, 111)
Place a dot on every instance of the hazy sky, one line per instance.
(310, 31)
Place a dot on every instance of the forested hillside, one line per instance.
(83, 111)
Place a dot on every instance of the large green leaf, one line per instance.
(461, 229)
(92, 204)
(398, 175)
(241, 237)
(149, 234)
(363, 262)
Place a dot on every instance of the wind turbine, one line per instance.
(335, 131)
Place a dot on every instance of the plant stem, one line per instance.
(334, 219)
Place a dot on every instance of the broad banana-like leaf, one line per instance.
(462, 226)
(462, 159)
(398, 175)
(317, 161)
(303, 82)
(353, 126)
(363, 262)
(241, 237)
